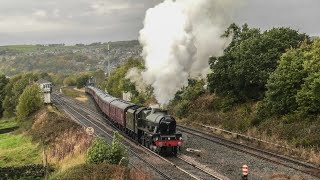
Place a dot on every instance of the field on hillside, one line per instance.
(17, 149)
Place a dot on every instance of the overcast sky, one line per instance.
(86, 21)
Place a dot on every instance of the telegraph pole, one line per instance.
(108, 61)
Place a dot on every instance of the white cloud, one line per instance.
(106, 7)
(24, 21)
(40, 13)
(56, 13)
(19, 24)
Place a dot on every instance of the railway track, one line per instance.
(288, 162)
(171, 168)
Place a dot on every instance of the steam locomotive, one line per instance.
(152, 127)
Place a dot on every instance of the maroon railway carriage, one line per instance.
(106, 108)
(118, 109)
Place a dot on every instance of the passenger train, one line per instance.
(152, 127)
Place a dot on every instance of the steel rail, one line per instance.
(310, 170)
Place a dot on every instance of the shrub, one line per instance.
(308, 97)
(100, 151)
(30, 101)
(285, 82)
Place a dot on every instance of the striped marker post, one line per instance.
(244, 172)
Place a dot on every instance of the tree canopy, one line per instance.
(295, 85)
(118, 83)
(30, 101)
(3, 82)
(308, 97)
(285, 82)
(242, 72)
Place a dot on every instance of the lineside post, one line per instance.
(245, 172)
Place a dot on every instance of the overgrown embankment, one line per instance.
(50, 139)
(48, 135)
(300, 136)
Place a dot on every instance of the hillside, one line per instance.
(64, 144)
(60, 58)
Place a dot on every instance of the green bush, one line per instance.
(182, 108)
(30, 101)
(100, 151)
(285, 82)
(308, 97)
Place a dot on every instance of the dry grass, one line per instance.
(102, 171)
(80, 90)
(66, 142)
(139, 174)
(70, 143)
(82, 98)
(284, 177)
(69, 161)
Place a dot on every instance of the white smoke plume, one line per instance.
(178, 38)
(134, 75)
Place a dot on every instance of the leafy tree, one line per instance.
(117, 83)
(82, 80)
(30, 101)
(308, 97)
(99, 76)
(9, 101)
(3, 82)
(78, 80)
(100, 151)
(285, 82)
(242, 72)
(182, 101)
(70, 81)
(14, 89)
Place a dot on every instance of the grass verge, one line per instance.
(16, 149)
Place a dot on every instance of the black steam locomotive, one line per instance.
(152, 127)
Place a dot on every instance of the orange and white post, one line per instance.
(245, 172)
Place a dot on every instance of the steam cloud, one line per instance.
(178, 38)
(134, 75)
